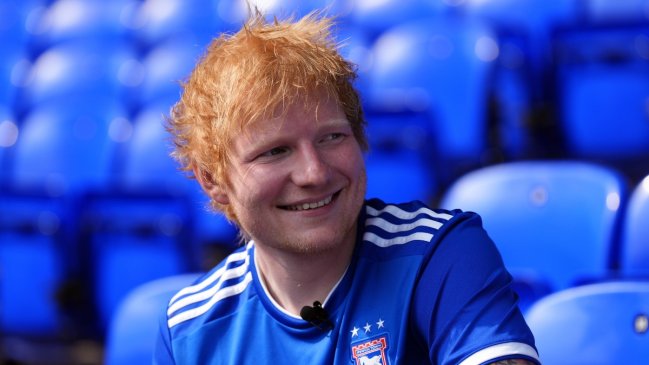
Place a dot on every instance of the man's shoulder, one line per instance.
(396, 225)
(212, 293)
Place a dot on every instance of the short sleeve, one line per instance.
(463, 308)
(162, 353)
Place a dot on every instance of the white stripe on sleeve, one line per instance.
(497, 351)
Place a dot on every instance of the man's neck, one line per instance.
(295, 280)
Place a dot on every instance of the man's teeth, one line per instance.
(306, 206)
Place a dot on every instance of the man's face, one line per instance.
(297, 182)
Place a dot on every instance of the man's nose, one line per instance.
(311, 168)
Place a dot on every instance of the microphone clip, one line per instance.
(317, 316)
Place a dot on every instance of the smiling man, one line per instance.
(272, 128)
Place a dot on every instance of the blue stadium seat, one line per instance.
(15, 29)
(512, 108)
(620, 11)
(598, 123)
(148, 165)
(635, 234)
(234, 12)
(511, 18)
(400, 163)
(145, 158)
(376, 17)
(38, 261)
(443, 65)
(522, 114)
(33, 273)
(8, 138)
(11, 65)
(355, 45)
(143, 215)
(134, 328)
(62, 150)
(554, 222)
(77, 74)
(604, 124)
(131, 240)
(33, 250)
(60, 154)
(597, 324)
(105, 22)
(151, 212)
(165, 66)
(193, 21)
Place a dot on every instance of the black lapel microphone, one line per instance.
(317, 316)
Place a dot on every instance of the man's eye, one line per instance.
(274, 152)
(333, 137)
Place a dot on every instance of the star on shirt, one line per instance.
(367, 327)
(379, 324)
(355, 331)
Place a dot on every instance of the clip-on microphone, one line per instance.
(317, 316)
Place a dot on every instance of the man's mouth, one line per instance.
(311, 205)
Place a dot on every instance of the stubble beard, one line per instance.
(304, 245)
(335, 240)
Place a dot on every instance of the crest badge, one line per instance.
(370, 351)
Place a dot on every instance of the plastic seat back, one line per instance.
(597, 324)
(134, 329)
(8, 138)
(193, 21)
(165, 66)
(144, 161)
(119, 253)
(13, 66)
(64, 150)
(441, 65)
(400, 162)
(635, 234)
(33, 269)
(13, 30)
(620, 11)
(76, 74)
(147, 166)
(104, 22)
(592, 61)
(512, 17)
(554, 221)
(234, 12)
(376, 17)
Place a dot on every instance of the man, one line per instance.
(272, 129)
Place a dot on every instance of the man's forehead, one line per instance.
(279, 125)
(319, 110)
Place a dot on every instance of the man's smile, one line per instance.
(310, 205)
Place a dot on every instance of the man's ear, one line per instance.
(214, 190)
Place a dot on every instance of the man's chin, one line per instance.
(315, 243)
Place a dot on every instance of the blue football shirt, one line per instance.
(424, 287)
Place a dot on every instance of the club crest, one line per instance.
(370, 352)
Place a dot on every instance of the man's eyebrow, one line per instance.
(335, 122)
